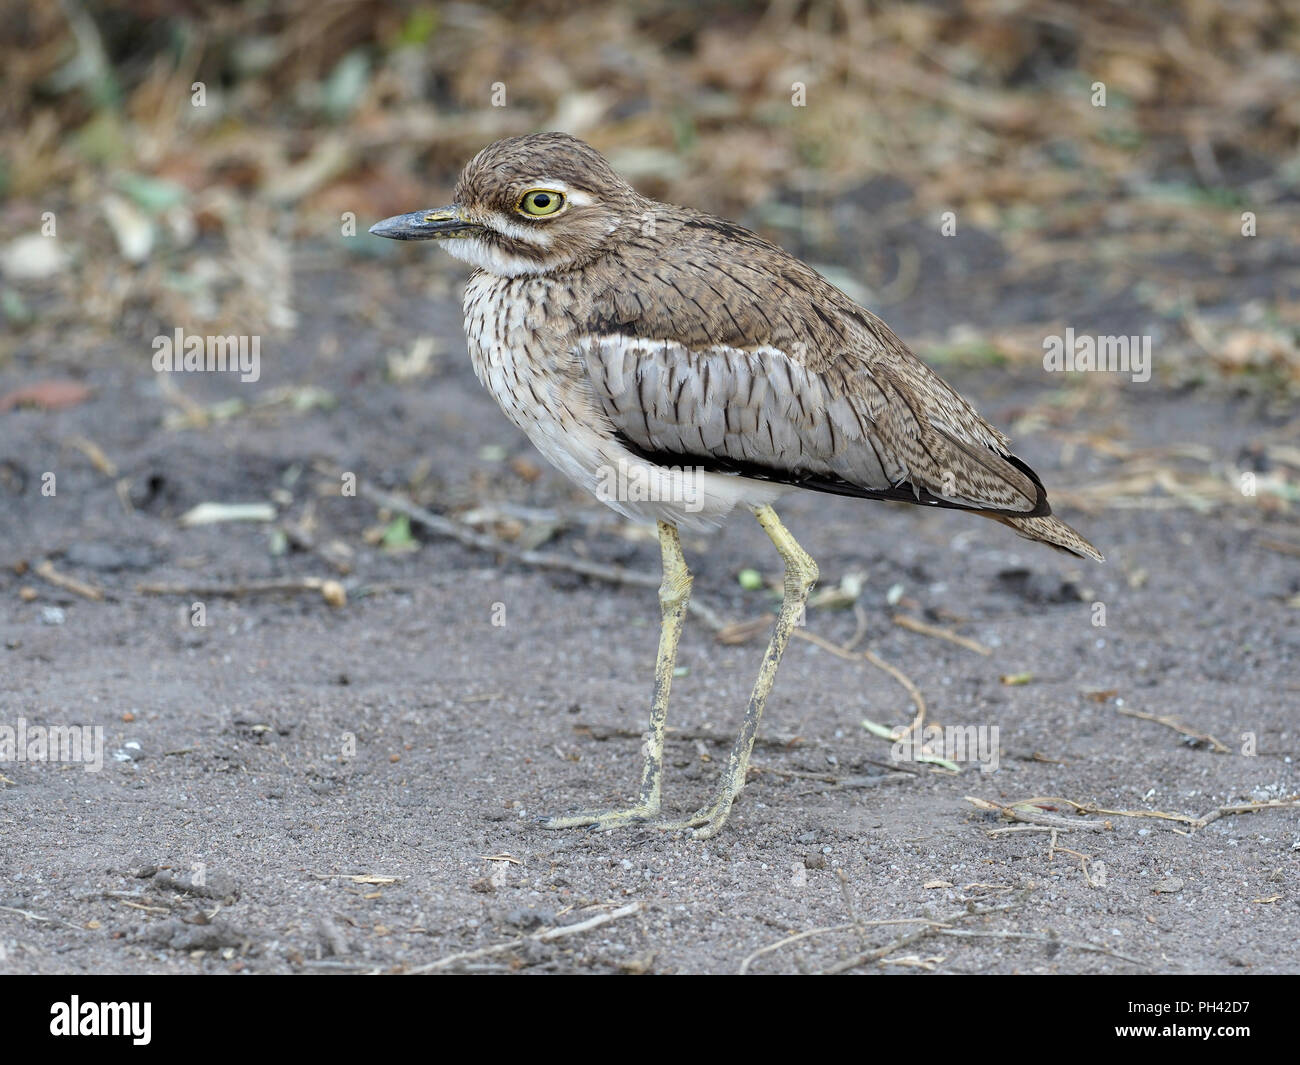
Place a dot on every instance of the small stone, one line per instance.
(529, 919)
(109, 558)
(32, 258)
(130, 751)
(211, 885)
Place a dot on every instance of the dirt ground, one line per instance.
(227, 745)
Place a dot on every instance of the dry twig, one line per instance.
(1169, 721)
(46, 569)
(1019, 812)
(545, 935)
(912, 624)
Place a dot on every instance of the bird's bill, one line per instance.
(438, 224)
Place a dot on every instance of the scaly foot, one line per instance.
(600, 820)
(706, 822)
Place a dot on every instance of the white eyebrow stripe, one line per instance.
(577, 197)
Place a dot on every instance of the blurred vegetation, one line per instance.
(168, 211)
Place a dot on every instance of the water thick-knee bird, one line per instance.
(678, 366)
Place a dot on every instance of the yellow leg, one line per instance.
(674, 593)
(800, 576)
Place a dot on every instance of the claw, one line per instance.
(705, 823)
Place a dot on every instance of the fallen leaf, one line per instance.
(55, 394)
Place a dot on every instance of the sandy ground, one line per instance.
(228, 756)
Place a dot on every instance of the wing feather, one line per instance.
(817, 393)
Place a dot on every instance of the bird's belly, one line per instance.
(545, 395)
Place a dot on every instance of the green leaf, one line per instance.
(153, 194)
(419, 27)
(398, 533)
(885, 732)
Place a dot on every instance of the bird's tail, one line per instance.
(1053, 532)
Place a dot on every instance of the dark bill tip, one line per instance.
(423, 225)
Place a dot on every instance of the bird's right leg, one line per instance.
(674, 594)
(800, 576)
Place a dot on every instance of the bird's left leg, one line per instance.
(800, 576)
(674, 594)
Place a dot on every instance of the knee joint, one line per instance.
(801, 571)
(675, 589)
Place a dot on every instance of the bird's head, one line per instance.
(528, 205)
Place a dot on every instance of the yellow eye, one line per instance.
(540, 202)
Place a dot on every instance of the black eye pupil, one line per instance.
(541, 200)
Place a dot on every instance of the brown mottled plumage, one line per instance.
(639, 343)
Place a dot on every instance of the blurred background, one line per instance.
(1114, 168)
(173, 212)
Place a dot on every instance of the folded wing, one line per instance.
(774, 373)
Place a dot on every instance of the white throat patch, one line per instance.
(486, 256)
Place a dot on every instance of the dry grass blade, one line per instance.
(1169, 721)
(912, 624)
(1019, 812)
(1247, 808)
